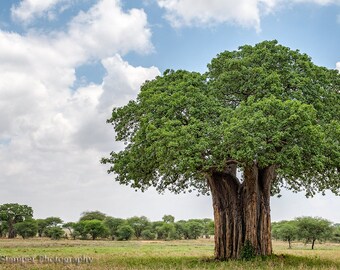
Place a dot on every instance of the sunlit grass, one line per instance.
(193, 254)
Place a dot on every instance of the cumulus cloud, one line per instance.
(106, 28)
(37, 73)
(27, 10)
(94, 103)
(123, 81)
(52, 136)
(337, 66)
(208, 13)
(200, 12)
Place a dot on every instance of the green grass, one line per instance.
(162, 255)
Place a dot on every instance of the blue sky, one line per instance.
(65, 63)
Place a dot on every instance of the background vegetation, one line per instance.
(97, 225)
(92, 236)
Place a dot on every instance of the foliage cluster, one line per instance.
(307, 229)
(95, 224)
(266, 105)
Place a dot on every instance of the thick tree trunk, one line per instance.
(241, 211)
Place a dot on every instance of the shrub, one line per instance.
(247, 251)
(124, 232)
(148, 235)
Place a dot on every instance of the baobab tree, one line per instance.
(261, 118)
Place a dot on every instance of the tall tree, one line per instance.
(13, 213)
(263, 117)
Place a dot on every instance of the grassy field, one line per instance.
(183, 254)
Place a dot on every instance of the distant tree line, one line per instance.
(17, 220)
(306, 229)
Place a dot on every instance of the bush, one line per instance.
(124, 232)
(79, 230)
(195, 229)
(95, 228)
(247, 251)
(55, 233)
(148, 235)
(26, 229)
(166, 232)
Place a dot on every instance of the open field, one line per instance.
(158, 255)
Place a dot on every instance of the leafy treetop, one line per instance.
(265, 104)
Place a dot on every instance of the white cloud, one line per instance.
(337, 66)
(241, 12)
(56, 135)
(27, 10)
(37, 73)
(94, 103)
(200, 12)
(121, 76)
(105, 27)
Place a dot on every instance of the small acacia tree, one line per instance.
(311, 229)
(95, 228)
(266, 111)
(286, 231)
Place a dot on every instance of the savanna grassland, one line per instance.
(184, 254)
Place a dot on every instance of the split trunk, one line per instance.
(241, 211)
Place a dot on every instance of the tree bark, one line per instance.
(11, 231)
(241, 210)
